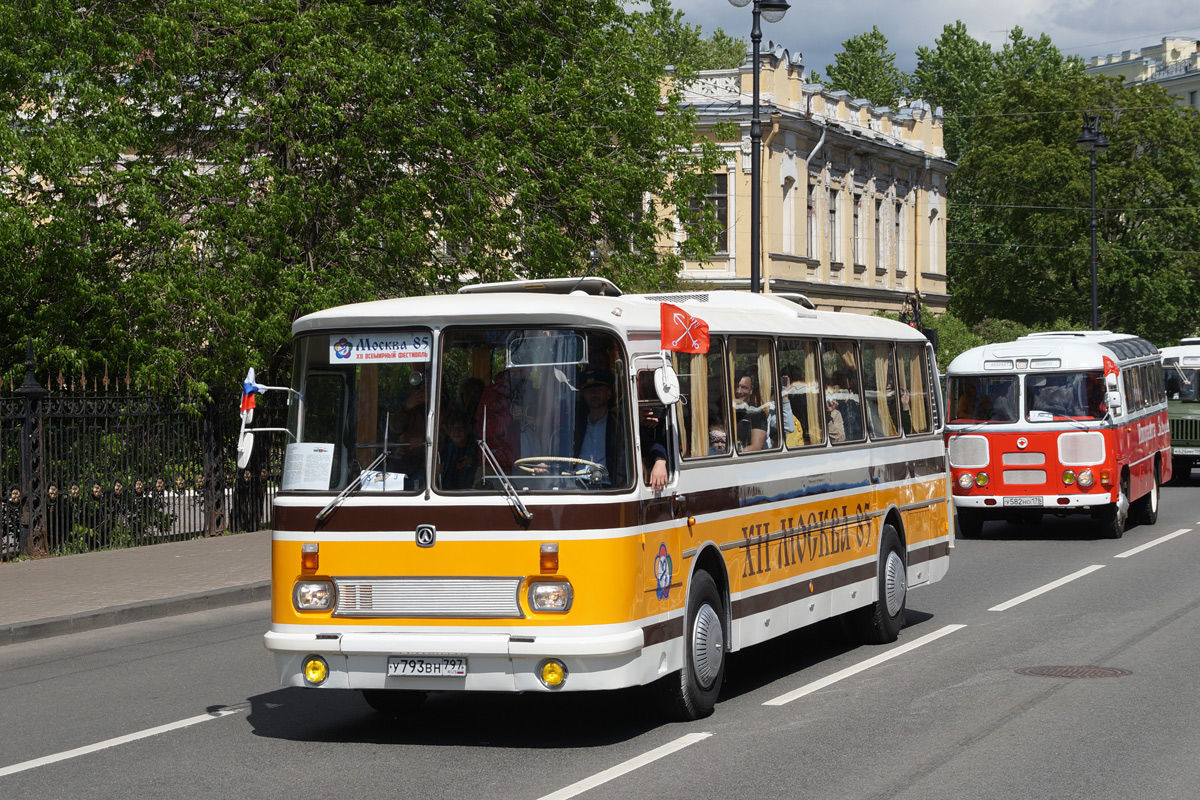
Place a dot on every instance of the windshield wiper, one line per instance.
(357, 483)
(509, 491)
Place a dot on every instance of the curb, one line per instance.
(19, 632)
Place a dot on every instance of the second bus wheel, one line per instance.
(1114, 516)
(692, 692)
(880, 622)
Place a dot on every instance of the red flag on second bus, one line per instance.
(1110, 367)
(681, 332)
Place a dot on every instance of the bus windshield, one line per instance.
(1078, 395)
(1181, 383)
(549, 406)
(984, 398)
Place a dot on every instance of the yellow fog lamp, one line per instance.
(981, 479)
(552, 673)
(1068, 477)
(316, 671)
(1086, 478)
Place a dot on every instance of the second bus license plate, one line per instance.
(427, 666)
(1023, 501)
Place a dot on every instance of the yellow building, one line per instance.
(853, 196)
(1175, 63)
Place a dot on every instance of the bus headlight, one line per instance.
(552, 596)
(966, 481)
(313, 596)
(1068, 477)
(1086, 479)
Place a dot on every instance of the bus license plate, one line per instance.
(427, 666)
(1022, 501)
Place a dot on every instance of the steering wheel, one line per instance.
(532, 463)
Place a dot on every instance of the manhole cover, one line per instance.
(1073, 672)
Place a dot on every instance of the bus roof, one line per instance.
(1053, 351)
(724, 311)
(1186, 353)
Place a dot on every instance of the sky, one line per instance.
(1077, 27)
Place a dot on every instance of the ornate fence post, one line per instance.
(213, 443)
(33, 520)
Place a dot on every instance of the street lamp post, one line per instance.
(1091, 139)
(771, 11)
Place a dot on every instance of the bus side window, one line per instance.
(801, 393)
(843, 391)
(914, 399)
(703, 413)
(755, 410)
(655, 439)
(879, 390)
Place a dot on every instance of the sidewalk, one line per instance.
(54, 596)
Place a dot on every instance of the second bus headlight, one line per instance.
(313, 596)
(1085, 478)
(554, 596)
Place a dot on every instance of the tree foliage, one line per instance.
(867, 69)
(687, 50)
(954, 75)
(1019, 233)
(181, 179)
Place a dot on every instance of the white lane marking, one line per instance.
(1016, 601)
(828, 680)
(131, 737)
(599, 778)
(1148, 545)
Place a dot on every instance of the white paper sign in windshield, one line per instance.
(379, 348)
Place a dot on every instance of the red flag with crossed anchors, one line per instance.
(681, 332)
(1110, 367)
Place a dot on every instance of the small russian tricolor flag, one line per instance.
(249, 389)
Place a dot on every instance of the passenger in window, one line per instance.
(654, 448)
(834, 420)
(750, 420)
(458, 456)
(500, 417)
(718, 440)
(851, 407)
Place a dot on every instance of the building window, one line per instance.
(789, 216)
(1192, 100)
(898, 243)
(832, 228)
(933, 241)
(717, 196)
(858, 230)
(812, 222)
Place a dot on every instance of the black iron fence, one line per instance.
(92, 470)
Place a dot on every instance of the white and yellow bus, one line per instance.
(514, 489)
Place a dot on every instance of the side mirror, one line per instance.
(1113, 401)
(244, 448)
(1110, 381)
(666, 385)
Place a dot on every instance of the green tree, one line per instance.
(184, 178)
(685, 47)
(867, 69)
(954, 75)
(1020, 202)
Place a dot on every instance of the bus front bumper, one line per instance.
(1047, 503)
(496, 662)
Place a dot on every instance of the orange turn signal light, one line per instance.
(309, 557)
(549, 557)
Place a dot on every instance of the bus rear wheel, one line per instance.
(1147, 507)
(880, 622)
(692, 692)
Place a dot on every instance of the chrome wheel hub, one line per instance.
(708, 646)
(895, 583)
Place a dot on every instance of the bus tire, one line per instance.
(970, 523)
(1114, 516)
(393, 702)
(880, 622)
(692, 692)
(1147, 507)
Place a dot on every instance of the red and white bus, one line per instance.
(1058, 423)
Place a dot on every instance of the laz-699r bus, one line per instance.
(1058, 423)
(517, 489)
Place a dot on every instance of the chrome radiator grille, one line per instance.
(428, 597)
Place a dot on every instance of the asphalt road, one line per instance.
(188, 706)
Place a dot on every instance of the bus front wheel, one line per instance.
(880, 622)
(1114, 516)
(692, 692)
